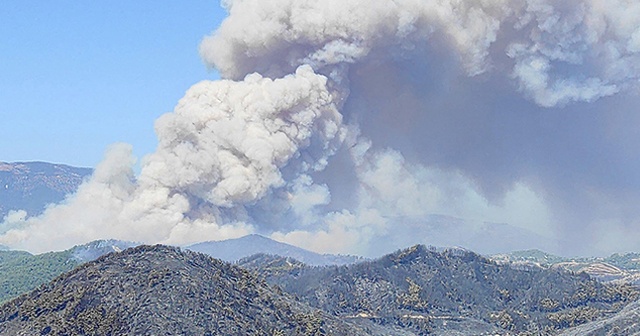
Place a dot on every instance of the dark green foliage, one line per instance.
(21, 272)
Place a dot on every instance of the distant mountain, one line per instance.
(30, 186)
(449, 292)
(481, 237)
(22, 271)
(618, 268)
(153, 290)
(96, 249)
(235, 249)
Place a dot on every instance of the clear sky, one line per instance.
(77, 76)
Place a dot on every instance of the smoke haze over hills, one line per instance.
(338, 121)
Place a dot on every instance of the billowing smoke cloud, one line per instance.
(351, 126)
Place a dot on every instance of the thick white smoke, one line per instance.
(226, 145)
(345, 124)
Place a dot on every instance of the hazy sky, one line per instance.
(76, 76)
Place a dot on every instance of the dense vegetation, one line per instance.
(162, 290)
(419, 288)
(417, 291)
(21, 271)
(627, 322)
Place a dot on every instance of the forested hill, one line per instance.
(455, 291)
(21, 271)
(153, 290)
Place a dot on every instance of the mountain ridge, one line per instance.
(616, 268)
(414, 291)
(30, 186)
(21, 271)
(232, 250)
(424, 288)
(150, 290)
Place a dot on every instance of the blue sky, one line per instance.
(77, 76)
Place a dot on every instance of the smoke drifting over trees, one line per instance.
(337, 122)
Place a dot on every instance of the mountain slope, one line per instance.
(617, 268)
(30, 186)
(235, 249)
(21, 271)
(454, 291)
(626, 322)
(152, 290)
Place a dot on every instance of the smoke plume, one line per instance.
(345, 125)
